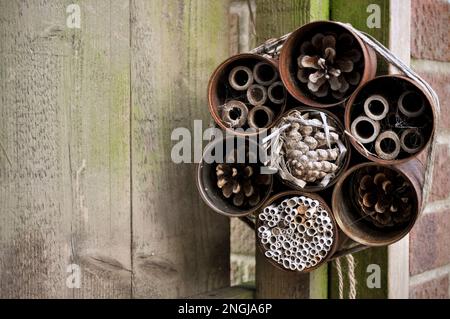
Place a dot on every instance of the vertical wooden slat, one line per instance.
(98, 117)
(180, 248)
(273, 19)
(64, 186)
(392, 260)
(34, 217)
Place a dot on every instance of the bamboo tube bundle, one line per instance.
(296, 231)
(395, 122)
(245, 93)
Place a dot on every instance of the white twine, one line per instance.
(351, 277)
(340, 278)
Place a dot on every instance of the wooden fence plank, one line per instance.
(64, 192)
(98, 96)
(180, 248)
(34, 209)
(273, 19)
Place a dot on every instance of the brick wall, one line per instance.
(430, 238)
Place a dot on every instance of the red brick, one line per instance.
(430, 22)
(440, 82)
(441, 174)
(429, 242)
(434, 289)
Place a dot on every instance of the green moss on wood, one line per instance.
(318, 284)
(363, 259)
(355, 13)
(319, 10)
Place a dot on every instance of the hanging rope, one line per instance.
(351, 277)
(350, 274)
(340, 278)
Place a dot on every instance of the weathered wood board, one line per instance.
(35, 202)
(65, 193)
(85, 170)
(179, 246)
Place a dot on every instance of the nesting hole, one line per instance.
(412, 140)
(376, 107)
(257, 93)
(241, 77)
(235, 113)
(278, 92)
(387, 145)
(265, 72)
(261, 118)
(365, 129)
(412, 102)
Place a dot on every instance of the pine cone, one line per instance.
(384, 197)
(306, 152)
(326, 63)
(241, 183)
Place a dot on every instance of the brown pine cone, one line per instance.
(384, 197)
(241, 183)
(328, 64)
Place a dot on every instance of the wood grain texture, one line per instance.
(98, 117)
(65, 191)
(273, 19)
(276, 18)
(34, 204)
(180, 248)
